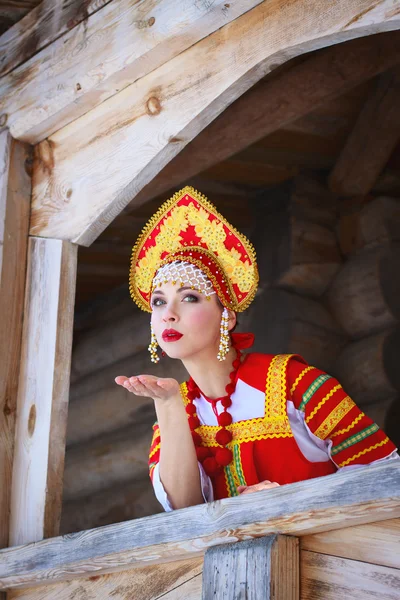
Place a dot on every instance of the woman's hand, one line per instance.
(147, 385)
(263, 485)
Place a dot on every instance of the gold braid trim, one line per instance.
(347, 429)
(152, 453)
(349, 460)
(300, 377)
(316, 409)
(338, 413)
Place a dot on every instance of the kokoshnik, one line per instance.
(282, 420)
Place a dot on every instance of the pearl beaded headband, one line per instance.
(184, 273)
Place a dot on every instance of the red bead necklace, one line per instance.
(213, 464)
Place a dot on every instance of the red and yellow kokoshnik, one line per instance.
(189, 228)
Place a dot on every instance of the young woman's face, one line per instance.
(185, 322)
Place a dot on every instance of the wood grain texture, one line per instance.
(364, 295)
(179, 580)
(40, 27)
(140, 129)
(329, 578)
(43, 390)
(276, 103)
(372, 141)
(375, 543)
(265, 568)
(340, 500)
(88, 64)
(15, 195)
(368, 368)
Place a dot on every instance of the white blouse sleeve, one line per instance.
(162, 496)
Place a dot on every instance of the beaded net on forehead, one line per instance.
(184, 273)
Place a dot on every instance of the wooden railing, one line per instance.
(345, 499)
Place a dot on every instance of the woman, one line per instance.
(241, 423)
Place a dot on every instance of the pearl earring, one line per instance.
(224, 341)
(153, 347)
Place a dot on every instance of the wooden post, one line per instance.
(262, 569)
(15, 192)
(43, 391)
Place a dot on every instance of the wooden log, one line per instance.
(364, 296)
(43, 390)
(106, 345)
(132, 500)
(368, 368)
(88, 64)
(311, 200)
(109, 307)
(309, 259)
(15, 191)
(376, 222)
(265, 568)
(330, 577)
(178, 580)
(273, 104)
(159, 114)
(117, 458)
(40, 27)
(306, 507)
(294, 253)
(102, 410)
(375, 543)
(287, 323)
(372, 140)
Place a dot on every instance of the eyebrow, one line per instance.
(181, 289)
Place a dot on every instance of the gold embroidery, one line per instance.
(341, 410)
(349, 460)
(347, 429)
(274, 424)
(300, 377)
(316, 409)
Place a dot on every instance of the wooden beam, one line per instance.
(330, 577)
(43, 391)
(322, 504)
(376, 543)
(13, 10)
(15, 195)
(273, 104)
(88, 64)
(180, 580)
(372, 141)
(267, 568)
(140, 129)
(42, 25)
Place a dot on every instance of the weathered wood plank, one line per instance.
(329, 578)
(376, 543)
(41, 26)
(179, 580)
(139, 130)
(43, 390)
(272, 104)
(15, 194)
(336, 501)
(265, 568)
(88, 64)
(372, 140)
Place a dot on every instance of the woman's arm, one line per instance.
(179, 472)
(176, 456)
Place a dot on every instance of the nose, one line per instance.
(170, 315)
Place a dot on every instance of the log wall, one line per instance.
(314, 300)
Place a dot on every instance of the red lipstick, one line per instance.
(170, 335)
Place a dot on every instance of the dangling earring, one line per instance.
(153, 347)
(224, 339)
